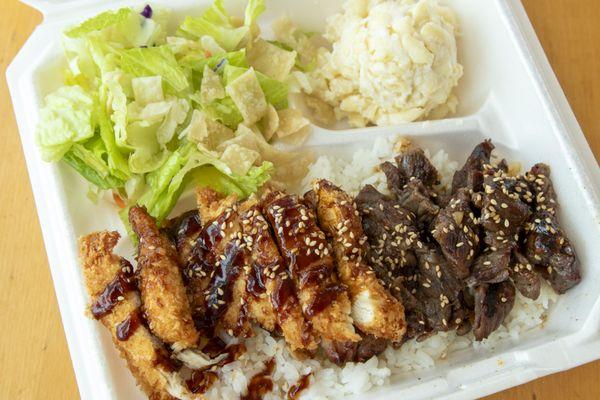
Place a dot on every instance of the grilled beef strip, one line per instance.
(412, 181)
(456, 231)
(391, 234)
(491, 267)
(439, 291)
(524, 277)
(504, 209)
(412, 269)
(493, 302)
(470, 176)
(547, 247)
(414, 164)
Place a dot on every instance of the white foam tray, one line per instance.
(508, 93)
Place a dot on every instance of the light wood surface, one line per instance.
(34, 359)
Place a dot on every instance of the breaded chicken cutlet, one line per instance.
(164, 295)
(374, 310)
(309, 259)
(272, 278)
(222, 273)
(116, 304)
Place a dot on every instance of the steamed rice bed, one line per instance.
(330, 381)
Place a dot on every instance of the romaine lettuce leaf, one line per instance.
(166, 184)
(116, 100)
(92, 167)
(100, 22)
(253, 10)
(66, 119)
(215, 22)
(197, 61)
(125, 27)
(155, 61)
(117, 162)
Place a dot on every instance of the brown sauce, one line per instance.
(221, 286)
(283, 297)
(313, 276)
(203, 257)
(115, 291)
(127, 328)
(293, 230)
(297, 389)
(214, 347)
(234, 352)
(221, 266)
(202, 379)
(310, 268)
(189, 224)
(324, 298)
(256, 281)
(185, 227)
(164, 360)
(261, 383)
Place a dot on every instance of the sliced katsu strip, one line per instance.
(185, 232)
(225, 265)
(547, 246)
(271, 281)
(374, 310)
(309, 258)
(196, 256)
(116, 304)
(164, 296)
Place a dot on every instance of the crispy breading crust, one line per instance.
(163, 292)
(296, 331)
(141, 351)
(374, 309)
(294, 232)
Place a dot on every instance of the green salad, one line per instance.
(149, 109)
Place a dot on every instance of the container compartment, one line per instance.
(508, 94)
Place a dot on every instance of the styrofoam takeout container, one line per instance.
(508, 93)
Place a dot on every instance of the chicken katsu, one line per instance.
(309, 257)
(161, 285)
(272, 280)
(374, 310)
(332, 275)
(116, 303)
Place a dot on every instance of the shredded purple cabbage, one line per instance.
(220, 65)
(147, 11)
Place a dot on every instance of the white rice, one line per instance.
(332, 382)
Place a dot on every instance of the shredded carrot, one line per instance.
(118, 200)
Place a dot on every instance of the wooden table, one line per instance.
(34, 359)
